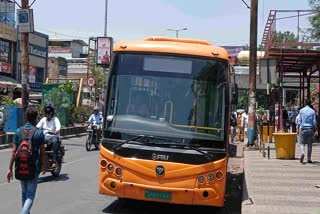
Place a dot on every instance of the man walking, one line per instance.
(307, 129)
(29, 187)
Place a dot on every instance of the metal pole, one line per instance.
(177, 33)
(298, 30)
(106, 19)
(252, 72)
(25, 62)
(268, 105)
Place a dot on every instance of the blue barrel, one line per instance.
(15, 119)
(252, 136)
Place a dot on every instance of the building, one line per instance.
(67, 48)
(57, 68)
(74, 51)
(8, 39)
(38, 60)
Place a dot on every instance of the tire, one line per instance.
(56, 172)
(88, 143)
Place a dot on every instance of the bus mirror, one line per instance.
(234, 94)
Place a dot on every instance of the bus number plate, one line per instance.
(152, 194)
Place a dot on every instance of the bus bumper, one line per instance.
(198, 196)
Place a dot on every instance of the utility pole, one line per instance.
(25, 62)
(106, 19)
(252, 72)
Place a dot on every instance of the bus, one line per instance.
(166, 123)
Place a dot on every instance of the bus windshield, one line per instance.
(170, 96)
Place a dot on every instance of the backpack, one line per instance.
(233, 120)
(25, 168)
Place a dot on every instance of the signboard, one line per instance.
(37, 50)
(5, 68)
(233, 52)
(91, 82)
(25, 20)
(8, 33)
(104, 51)
(7, 7)
(263, 68)
(60, 50)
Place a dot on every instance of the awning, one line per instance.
(9, 82)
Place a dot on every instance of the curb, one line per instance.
(9, 145)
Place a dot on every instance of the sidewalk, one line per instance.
(281, 186)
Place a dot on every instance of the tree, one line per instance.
(315, 19)
(284, 37)
(100, 77)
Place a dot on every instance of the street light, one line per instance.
(177, 31)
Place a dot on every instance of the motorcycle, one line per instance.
(93, 137)
(55, 170)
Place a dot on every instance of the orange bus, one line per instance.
(166, 125)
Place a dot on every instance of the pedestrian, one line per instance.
(29, 187)
(233, 126)
(293, 118)
(244, 122)
(307, 129)
(285, 118)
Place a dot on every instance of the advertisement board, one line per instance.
(5, 68)
(25, 20)
(104, 50)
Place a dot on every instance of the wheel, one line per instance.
(88, 143)
(97, 142)
(56, 171)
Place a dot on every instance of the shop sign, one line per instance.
(37, 51)
(8, 33)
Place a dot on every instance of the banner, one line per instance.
(32, 74)
(5, 68)
(104, 51)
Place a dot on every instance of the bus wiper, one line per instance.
(127, 141)
(147, 137)
(195, 147)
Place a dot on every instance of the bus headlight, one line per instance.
(103, 163)
(110, 167)
(210, 177)
(219, 175)
(118, 171)
(201, 179)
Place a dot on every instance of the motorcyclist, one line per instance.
(50, 125)
(96, 119)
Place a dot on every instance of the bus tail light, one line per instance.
(118, 171)
(113, 185)
(201, 179)
(210, 177)
(219, 175)
(103, 163)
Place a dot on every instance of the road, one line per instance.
(76, 190)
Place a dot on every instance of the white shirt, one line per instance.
(244, 121)
(49, 126)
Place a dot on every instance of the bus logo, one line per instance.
(160, 170)
(160, 157)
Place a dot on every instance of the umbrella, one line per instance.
(18, 101)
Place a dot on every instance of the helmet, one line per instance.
(49, 109)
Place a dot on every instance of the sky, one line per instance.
(222, 22)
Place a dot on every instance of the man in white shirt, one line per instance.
(244, 121)
(51, 126)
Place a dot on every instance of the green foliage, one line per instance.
(284, 37)
(67, 87)
(81, 114)
(8, 101)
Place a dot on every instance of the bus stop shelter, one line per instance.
(298, 61)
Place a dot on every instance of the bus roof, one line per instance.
(172, 45)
